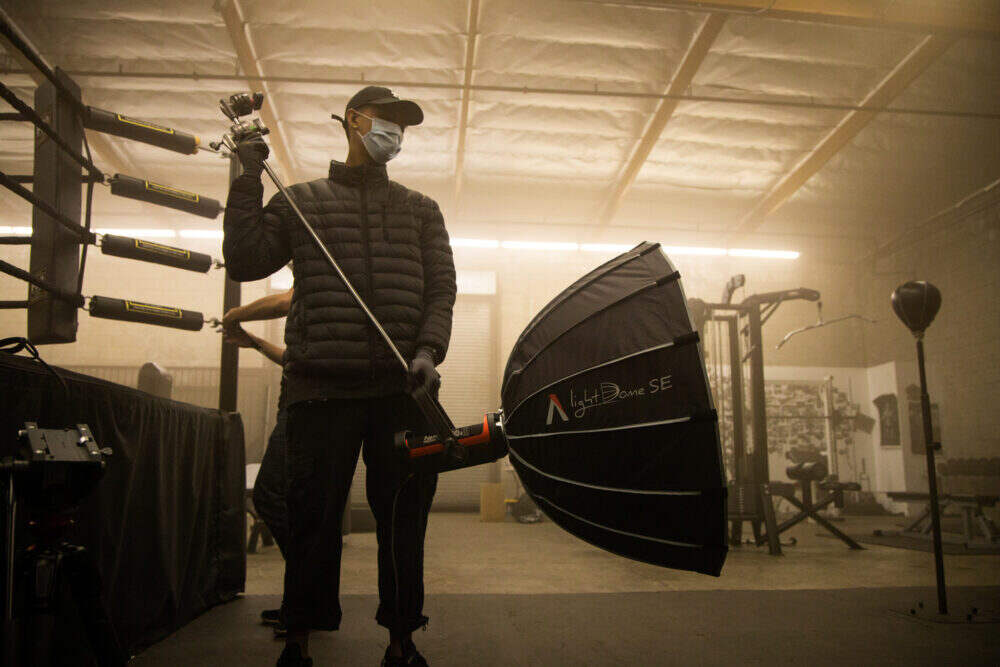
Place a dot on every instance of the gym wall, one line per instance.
(960, 254)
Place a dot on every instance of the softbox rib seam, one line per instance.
(639, 290)
(608, 267)
(620, 532)
(624, 427)
(641, 492)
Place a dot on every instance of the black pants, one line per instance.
(324, 438)
(271, 487)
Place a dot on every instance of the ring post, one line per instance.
(229, 366)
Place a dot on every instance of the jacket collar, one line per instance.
(365, 173)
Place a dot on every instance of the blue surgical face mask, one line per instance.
(383, 141)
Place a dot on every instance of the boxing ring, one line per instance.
(166, 523)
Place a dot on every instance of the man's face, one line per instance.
(356, 118)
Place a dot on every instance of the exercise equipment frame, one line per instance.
(752, 494)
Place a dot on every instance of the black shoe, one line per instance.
(411, 657)
(292, 657)
(272, 617)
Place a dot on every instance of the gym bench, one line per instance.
(973, 517)
(804, 475)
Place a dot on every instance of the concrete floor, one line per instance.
(533, 596)
(466, 556)
(669, 629)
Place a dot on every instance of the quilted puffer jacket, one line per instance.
(392, 244)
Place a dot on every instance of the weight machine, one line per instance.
(750, 493)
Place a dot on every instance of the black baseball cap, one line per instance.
(409, 112)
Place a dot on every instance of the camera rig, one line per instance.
(237, 106)
(447, 448)
(53, 471)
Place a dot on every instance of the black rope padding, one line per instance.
(18, 189)
(13, 305)
(15, 240)
(11, 270)
(31, 115)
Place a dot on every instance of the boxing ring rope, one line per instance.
(117, 246)
(72, 227)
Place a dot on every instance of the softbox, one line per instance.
(610, 421)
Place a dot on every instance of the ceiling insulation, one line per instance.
(544, 156)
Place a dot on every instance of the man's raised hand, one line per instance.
(252, 153)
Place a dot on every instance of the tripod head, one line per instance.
(56, 468)
(52, 473)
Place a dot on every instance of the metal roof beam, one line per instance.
(796, 103)
(463, 117)
(239, 33)
(968, 18)
(850, 125)
(692, 60)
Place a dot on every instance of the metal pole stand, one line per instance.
(916, 303)
(10, 521)
(930, 447)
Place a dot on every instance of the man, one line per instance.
(344, 386)
(271, 486)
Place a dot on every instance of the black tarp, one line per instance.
(166, 524)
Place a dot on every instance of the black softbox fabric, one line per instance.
(610, 421)
(166, 524)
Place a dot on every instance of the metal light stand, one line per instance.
(10, 555)
(67, 464)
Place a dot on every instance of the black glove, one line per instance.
(422, 373)
(252, 153)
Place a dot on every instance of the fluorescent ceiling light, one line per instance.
(539, 245)
(620, 248)
(16, 231)
(201, 233)
(769, 254)
(475, 243)
(140, 233)
(605, 247)
(692, 250)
